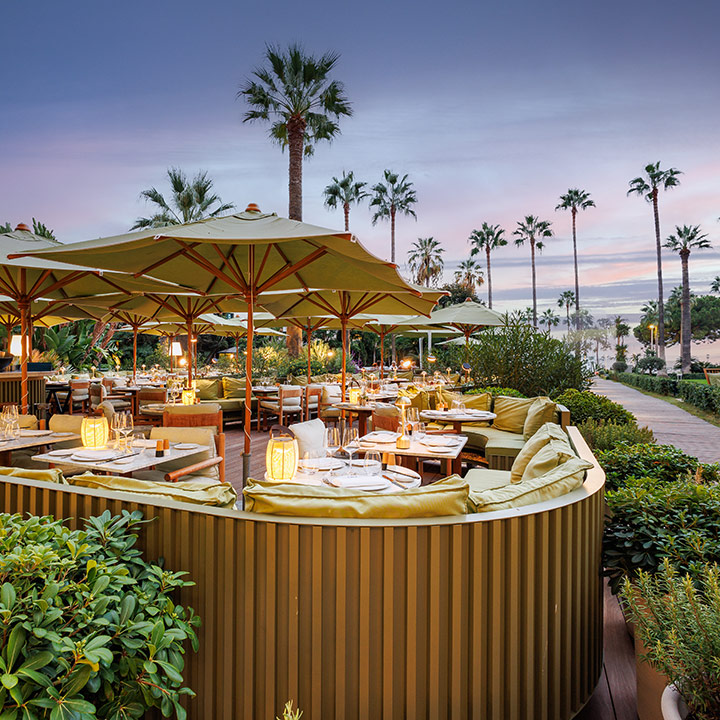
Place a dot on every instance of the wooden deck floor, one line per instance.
(614, 698)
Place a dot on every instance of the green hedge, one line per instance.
(704, 397)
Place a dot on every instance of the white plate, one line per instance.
(62, 453)
(439, 442)
(93, 455)
(380, 437)
(360, 482)
(34, 433)
(403, 474)
(321, 464)
(63, 434)
(123, 461)
(185, 446)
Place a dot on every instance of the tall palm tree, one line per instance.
(715, 285)
(686, 239)
(190, 200)
(395, 195)
(531, 230)
(295, 94)
(549, 318)
(574, 200)
(469, 275)
(566, 300)
(649, 186)
(344, 193)
(487, 238)
(426, 261)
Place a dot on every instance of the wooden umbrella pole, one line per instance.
(237, 349)
(135, 334)
(343, 325)
(250, 297)
(382, 355)
(309, 343)
(24, 306)
(190, 352)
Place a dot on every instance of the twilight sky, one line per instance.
(493, 108)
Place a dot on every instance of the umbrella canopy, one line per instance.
(346, 305)
(247, 254)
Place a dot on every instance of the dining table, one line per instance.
(31, 438)
(457, 418)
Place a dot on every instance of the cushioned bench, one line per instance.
(227, 392)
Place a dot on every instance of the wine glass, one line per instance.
(332, 440)
(349, 441)
(373, 462)
(115, 425)
(309, 464)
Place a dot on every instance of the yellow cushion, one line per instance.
(547, 432)
(445, 497)
(540, 412)
(511, 413)
(233, 388)
(559, 481)
(198, 492)
(209, 408)
(199, 435)
(209, 388)
(472, 402)
(419, 399)
(484, 479)
(66, 423)
(547, 458)
(28, 422)
(52, 475)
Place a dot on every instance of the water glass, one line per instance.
(127, 430)
(115, 425)
(349, 441)
(373, 463)
(418, 432)
(413, 414)
(309, 463)
(332, 440)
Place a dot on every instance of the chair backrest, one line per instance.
(151, 395)
(79, 384)
(313, 391)
(290, 396)
(28, 422)
(65, 423)
(310, 435)
(386, 418)
(97, 394)
(208, 415)
(201, 436)
(107, 383)
(107, 409)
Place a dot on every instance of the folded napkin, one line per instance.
(361, 482)
(439, 441)
(402, 474)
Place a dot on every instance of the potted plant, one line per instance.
(677, 617)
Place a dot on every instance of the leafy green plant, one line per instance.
(650, 520)
(699, 394)
(678, 619)
(505, 391)
(650, 364)
(603, 435)
(89, 629)
(289, 713)
(586, 405)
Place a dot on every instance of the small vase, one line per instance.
(673, 705)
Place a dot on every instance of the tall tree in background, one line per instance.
(566, 300)
(715, 285)
(469, 275)
(532, 230)
(686, 239)
(190, 200)
(394, 196)
(426, 261)
(549, 319)
(38, 228)
(574, 200)
(294, 93)
(487, 239)
(343, 193)
(649, 186)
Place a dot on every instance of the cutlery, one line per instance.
(394, 482)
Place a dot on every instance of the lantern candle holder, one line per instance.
(94, 432)
(281, 456)
(403, 442)
(188, 396)
(354, 395)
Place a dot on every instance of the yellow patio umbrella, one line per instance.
(346, 305)
(246, 255)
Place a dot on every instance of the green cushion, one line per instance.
(559, 481)
(209, 388)
(542, 410)
(547, 432)
(198, 492)
(419, 399)
(233, 388)
(511, 413)
(53, 475)
(445, 497)
(228, 405)
(480, 480)
(547, 458)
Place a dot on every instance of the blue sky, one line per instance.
(493, 109)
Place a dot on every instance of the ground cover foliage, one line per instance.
(89, 628)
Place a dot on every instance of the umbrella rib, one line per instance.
(365, 302)
(43, 276)
(226, 264)
(264, 260)
(12, 284)
(287, 262)
(203, 262)
(292, 269)
(162, 261)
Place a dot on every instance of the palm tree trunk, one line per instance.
(685, 329)
(661, 302)
(487, 253)
(392, 234)
(567, 312)
(346, 209)
(577, 284)
(534, 292)
(296, 131)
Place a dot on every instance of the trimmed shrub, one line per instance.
(89, 628)
(602, 435)
(650, 520)
(507, 392)
(664, 463)
(586, 405)
(702, 396)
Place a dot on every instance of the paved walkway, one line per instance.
(672, 425)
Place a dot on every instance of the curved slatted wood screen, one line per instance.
(484, 617)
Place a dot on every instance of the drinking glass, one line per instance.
(418, 432)
(373, 462)
(413, 414)
(349, 441)
(458, 405)
(309, 464)
(127, 430)
(332, 440)
(115, 425)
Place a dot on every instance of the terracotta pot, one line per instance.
(650, 686)
(673, 705)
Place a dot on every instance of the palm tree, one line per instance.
(190, 201)
(566, 300)
(715, 285)
(531, 230)
(469, 275)
(395, 195)
(574, 200)
(649, 186)
(426, 262)
(686, 239)
(488, 238)
(344, 192)
(295, 95)
(549, 318)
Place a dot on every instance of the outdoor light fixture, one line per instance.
(94, 432)
(16, 345)
(403, 442)
(406, 364)
(281, 456)
(431, 358)
(354, 395)
(188, 396)
(182, 362)
(175, 349)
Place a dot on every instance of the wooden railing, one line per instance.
(490, 616)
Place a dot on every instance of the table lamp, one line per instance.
(188, 396)
(403, 442)
(94, 432)
(281, 456)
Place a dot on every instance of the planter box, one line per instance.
(673, 705)
(650, 686)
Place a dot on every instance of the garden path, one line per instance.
(670, 424)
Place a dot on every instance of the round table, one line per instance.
(456, 418)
